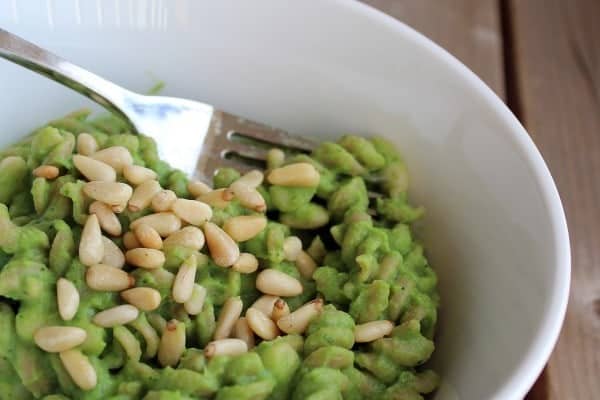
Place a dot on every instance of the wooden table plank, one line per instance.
(556, 55)
(469, 29)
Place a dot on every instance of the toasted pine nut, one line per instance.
(148, 237)
(305, 264)
(183, 285)
(119, 315)
(265, 304)
(249, 198)
(195, 303)
(172, 343)
(189, 236)
(46, 171)
(79, 368)
(111, 193)
(247, 263)
(297, 175)
(86, 144)
(292, 246)
(373, 330)
(197, 188)
(94, 170)
(251, 179)
(244, 227)
(143, 194)
(67, 298)
(275, 158)
(242, 331)
(298, 321)
(225, 347)
(215, 198)
(280, 310)
(230, 312)
(55, 339)
(136, 174)
(163, 200)
(223, 249)
(277, 283)
(91, 248)
(143, 298)
(164, 223)
(261, 324)
(130, 241)
(107, 278)
(113, 255)
(106, 217)
(145, 258)
(192, 211)
(116, 156)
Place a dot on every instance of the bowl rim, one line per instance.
(524, 376)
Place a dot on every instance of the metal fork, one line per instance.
(191, 136)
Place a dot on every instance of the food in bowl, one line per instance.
(120, 278)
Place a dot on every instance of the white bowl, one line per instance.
(495, 228)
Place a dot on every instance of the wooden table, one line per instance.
(543, 58)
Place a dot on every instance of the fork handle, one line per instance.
(30, 56)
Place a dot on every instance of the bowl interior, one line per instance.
(494, 229)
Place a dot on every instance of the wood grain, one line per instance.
(556, 64)
(468, 29)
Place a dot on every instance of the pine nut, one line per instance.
(305, 264)
(111, 193)
(246, 264)
(143, 298)
(296, 175)
(195, 303)
(46, 171)
(67, 298)
(145, 258)
(265, 304)
(251, 179)
(277, 283)
(249, 198)
(230, 312)
(172, 344)
(261, 324)
(148, 237)
(55, 339)
(242, 331)
(183, 285)
(136, 174)
(317, 250)
(292, 246)
(128, 342)
(192, 211)
(109, 279)
(164, 223)
(113, 255)
(158, 323)
(298, 321)
(94, 170)
(244, 227)
(371, 331)
(225, 347)
(275, 158)
(79, 368)
(163, 200)
(86, 144)
(197, 188)
(118, 208)
(223, 250)
(143, 194)
(215, 198)
(130, 241)
(116, 156)
(149, 334)
(91, 248)
(280, 310)
(119, 315)
(189, 236)
(106, 217)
